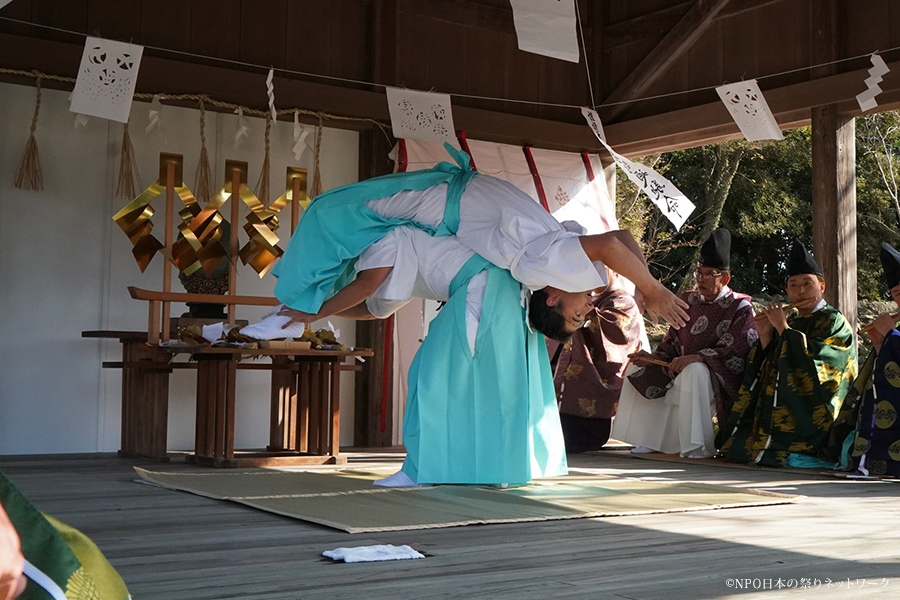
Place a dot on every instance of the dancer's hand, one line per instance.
(660, 302)
(296, 316)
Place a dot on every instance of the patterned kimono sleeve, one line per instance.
(819, 362)
(669, 347)
(736, 335)
(612, 334)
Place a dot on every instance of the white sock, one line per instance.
(398, 479)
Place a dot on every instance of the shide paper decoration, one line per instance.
(270, 92)
(673, 204)
(876, 74)
(154, 119)
(749, 109)
(421, 115)
(243, 129)
(106, 79)
(299, 135)
(546, 27)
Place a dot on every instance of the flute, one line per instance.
(648, 360)
(870, 326)
(762, 315)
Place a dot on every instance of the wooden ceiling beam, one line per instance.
(161, 75)
(711, 122)
(657, 23)
(679, 40)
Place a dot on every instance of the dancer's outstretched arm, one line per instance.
(352, 294)
(620, 252)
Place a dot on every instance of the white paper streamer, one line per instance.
(300, 135)
(421, 115)
(80, 120)
(242, 129)
(154, 115)
(876, 74)
(270, 92)
(749, 109)
(674, 205)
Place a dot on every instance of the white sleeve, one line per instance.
(382, 253)
(381, 308)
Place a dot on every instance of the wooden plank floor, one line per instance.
(177, 546)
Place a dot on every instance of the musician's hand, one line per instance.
(776, 315)
(296, 316)
(678, 364)
(638, 358)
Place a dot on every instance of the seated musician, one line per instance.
(798, 373)
(876, 447)
(589, 368)
(674, 408)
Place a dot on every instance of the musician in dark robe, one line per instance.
(798, 373)
(876, 447)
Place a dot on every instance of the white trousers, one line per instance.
(680, 422)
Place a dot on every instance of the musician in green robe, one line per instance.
(797, 375)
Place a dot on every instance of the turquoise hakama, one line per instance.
(485, 418)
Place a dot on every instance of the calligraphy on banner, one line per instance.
(674, 205)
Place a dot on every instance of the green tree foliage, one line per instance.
(762, 192)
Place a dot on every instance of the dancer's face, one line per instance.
(575, 307)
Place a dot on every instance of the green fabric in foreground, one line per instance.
(346, 499)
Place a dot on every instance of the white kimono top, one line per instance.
(422, 267)
(504, 225)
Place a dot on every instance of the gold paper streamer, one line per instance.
(262, 250)
(134, 220)
(199, 245)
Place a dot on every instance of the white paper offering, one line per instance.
(750, 111)
(674, 205)
(106, 79)
(421, 115)
(876, 74)
(546, 27)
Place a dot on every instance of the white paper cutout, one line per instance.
(674, 205)
(270, 92)
(243, 130)
(421, 115)
(546, 27)
(876, 74)
(80, 120)
(4, 3)
(106, 79)
(154, 116)
(749, 109)
(300, 135)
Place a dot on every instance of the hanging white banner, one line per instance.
(749, 109)
(421, 115)
(674, 205)
(106, 79)
(546, 27)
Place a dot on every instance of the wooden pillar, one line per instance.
(834, 206)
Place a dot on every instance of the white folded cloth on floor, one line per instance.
(372, 553)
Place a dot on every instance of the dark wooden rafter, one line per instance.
(679, 40)
(661, 21)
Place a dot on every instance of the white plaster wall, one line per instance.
(65, 266)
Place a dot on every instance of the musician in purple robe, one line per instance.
(676, 409)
